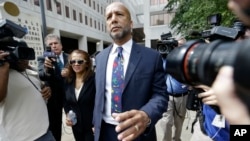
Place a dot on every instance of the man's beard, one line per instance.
(120, 35)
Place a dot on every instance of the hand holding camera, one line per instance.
(50, 59)
(46, 92)
(2, 57)
(49, 63)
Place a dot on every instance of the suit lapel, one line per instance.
(72, 92)
(65, 59)
(103, 65)
(134, 59)
(82, 91)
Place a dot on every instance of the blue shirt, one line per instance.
(215, 133)
(173, 86)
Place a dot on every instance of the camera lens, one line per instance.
(198, 62)
(162, 48)
(166, 46)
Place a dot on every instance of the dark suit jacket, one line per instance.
(55, 102)
(144, 86)
(83, 107)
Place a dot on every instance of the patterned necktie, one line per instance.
(117, 82)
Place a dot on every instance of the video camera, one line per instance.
(166, 44)
(18, 50)
(221, 32)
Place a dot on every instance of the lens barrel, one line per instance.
(198, 62)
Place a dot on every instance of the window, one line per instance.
(163, 1)
(161, 19)
(86, 20)
(74, 15)
(152, 20)
(156, 2)
(89, 3)
(36, 2)
(95, 23)
(168, 18)
(48, 4)
(153, 2)
(90, 22)
(80, 17)
(67, 11)
(98, 8)
(58, 8)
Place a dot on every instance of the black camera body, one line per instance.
(18, 50)
(49, 53)
(166, 44)
(221, 32)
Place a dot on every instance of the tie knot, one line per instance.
(58, 59)
(119, 49)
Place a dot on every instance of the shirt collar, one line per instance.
(126, 47)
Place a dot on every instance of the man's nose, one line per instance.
(113, 19)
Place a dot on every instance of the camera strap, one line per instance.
(25, 74)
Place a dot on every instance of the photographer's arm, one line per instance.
(4, 71)
(43, 68)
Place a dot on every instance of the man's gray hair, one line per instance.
(52, 36)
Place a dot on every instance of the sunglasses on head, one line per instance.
(76, 61)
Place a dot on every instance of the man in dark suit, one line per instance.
(143, 87)
(50, 71)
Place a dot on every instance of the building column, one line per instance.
(82, 43)
(99, 45)
(147, 23)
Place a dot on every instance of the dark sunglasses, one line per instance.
(76, 61)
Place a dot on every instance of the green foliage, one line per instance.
(191, 15)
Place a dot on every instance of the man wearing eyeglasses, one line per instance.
(50, 71)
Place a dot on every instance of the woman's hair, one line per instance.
(87, 71)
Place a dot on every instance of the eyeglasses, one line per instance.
(76, 61)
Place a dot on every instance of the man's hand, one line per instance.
(46, 92)
(49, 63)
(4, 71)
(65, 72)
(132, 124)
(208, 96)
(2, 57)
